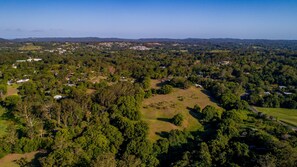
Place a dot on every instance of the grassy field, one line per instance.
(159, 109)
(9, 160)
(29, 47)
(97, 79)
(11, 90)
(286, 115)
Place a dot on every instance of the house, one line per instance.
(267, 93)
(37, 59)
(22, 81)
(288, 93)
(9, 82)
(71, 85)
(224, 62)
(58, 97)
(139, 48)
(282, 87)
(29, 60)
(21, 61)
(198, 86)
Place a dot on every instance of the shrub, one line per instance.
(197, 108)
(180, 82)
(166, 89)
(178, 119)
(210, 113)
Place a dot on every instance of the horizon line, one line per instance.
(140, 38)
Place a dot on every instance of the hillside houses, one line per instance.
(142, 48)
(29, 60)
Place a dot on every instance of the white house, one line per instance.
(288, 93)
(22, 81)
(9, 82)
(282, 87)
(198, 86)
(37, 59)
(58, 97)
(21, 61)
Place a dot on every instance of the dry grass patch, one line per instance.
(97, 79)
(11, 90)
(154, 83)
(159, 109)
(30, 47)
(10, 159)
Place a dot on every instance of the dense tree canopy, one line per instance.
(82, 105)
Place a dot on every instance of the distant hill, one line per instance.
(3, 40)
(97, 39)
(66, 39)
(216, 41)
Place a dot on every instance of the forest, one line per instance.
(82, 103)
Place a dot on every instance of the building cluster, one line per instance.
(29, 60)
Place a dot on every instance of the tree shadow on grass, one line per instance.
(35, 160)
(162, 84)
(162, 134)
(193, 113)
(165, 119)
(212, 99)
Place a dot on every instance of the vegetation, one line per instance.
(158, 110)
(176, 104)
(178, 119)
(166, 89)
(286, 115)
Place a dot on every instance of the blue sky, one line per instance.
(250, 19)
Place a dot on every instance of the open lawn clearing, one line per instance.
(159, 109)
(29, 47)
(11, 90)
(286, 115)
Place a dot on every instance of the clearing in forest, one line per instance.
(97, 79)
(288, 116)
(29, 47)
(159, 109)
(11, 90)
(10, 159)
